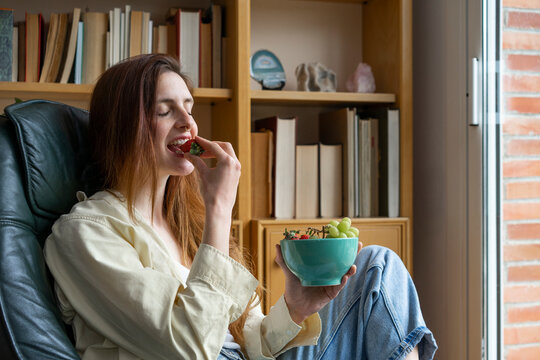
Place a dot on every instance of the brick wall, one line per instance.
(521, 178)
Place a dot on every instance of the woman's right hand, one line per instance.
(219, 186)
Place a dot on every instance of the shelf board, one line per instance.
(83, 92)
(321, 98)
(324, 221)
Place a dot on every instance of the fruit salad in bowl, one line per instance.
(320, 257)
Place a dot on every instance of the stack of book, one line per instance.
(79, 46)
(353, 171)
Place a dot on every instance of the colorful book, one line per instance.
(33, 30)
(6, 44)
(71, 46)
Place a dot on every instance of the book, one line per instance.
(162, 39)
(127, 31)
(59, 52)
(71, 46)
(217, 24)
(145, 31)
(284, 137)
(189, 40)
(94, 46)
(337, 127)
(21, 53)
(374, 126)
(15, 54)
(389, 168)
(261, 174)
(330, 180)
(364, 168)
(307, 181)
(49, 47)
(6, 44)
(77, 78)
(171, 40)
(116, 33)
(33, 31)
(135, 33)
(205, 55)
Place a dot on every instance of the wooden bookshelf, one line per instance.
(318, 98)
(379, 32)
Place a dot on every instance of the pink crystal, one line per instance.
(361, 80)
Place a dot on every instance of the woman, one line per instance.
(145, 268)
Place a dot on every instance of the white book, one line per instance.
(150, 36)
(189, 44)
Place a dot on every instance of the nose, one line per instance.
(184, 120)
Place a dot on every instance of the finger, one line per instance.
(228, 148)
(212, 147)
(360, 247)
(279, 260)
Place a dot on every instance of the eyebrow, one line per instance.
(169, 100)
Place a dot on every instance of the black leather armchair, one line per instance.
(43, 154)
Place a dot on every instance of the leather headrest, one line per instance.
(54, 148)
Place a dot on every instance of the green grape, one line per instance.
(350, 234)
(344, 226)
(346, 219)
(333, 231)
(342, 235)
(354, 230)
(333, 223)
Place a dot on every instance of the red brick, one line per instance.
(522, 62)
(524, 273)
(521, 211)
(526, 105)
(521, 293)
(521, 253)
(523, 314)
(517, 147)
(521, 335)
(523, 20)
(517, 40)
(523, 231)
(523, 190)
(527, 4)
(521, 126)
(521, 83)
(520, 168)
(523, 353)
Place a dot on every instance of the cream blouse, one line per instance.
(125, 298)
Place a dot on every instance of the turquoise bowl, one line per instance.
(319, 262)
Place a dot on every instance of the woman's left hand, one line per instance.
(303, 301)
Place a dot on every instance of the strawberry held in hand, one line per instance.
(192, 147)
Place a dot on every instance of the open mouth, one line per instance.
(176, 145)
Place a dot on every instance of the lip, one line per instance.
(174, 148)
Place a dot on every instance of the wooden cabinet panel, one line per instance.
(391, 233)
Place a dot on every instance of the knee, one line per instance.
(375, 255)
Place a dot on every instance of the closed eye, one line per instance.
(164, 113)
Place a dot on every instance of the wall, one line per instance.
(521, 178)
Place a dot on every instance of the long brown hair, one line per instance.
(121, 132)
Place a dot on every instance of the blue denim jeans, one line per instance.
(376, 316)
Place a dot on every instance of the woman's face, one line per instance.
(174, 124)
